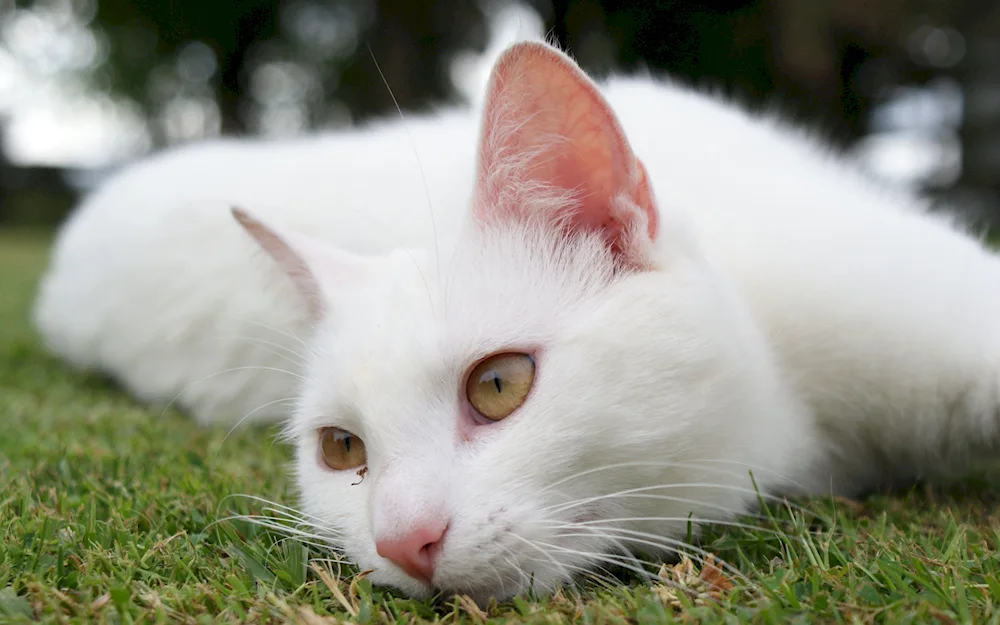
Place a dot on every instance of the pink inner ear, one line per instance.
(313, 266)
(546, 125)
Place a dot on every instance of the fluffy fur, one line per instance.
(757, 306)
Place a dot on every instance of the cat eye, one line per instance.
(341, 450)
(500, 384)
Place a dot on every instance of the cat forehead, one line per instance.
(426, 318)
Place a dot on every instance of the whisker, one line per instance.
(707, 485)
(288, 432)
(324, 542)
(254, 411)
(223, 372)
(423, 178)
(322, 547)
(279, 523)
(563, 566)
(647, 576)
(679, 519)
(606, 579)
(633, 495)
(753, 468)
(280, 515)
(290, 355)
(511, 559)
(666, 464)
(271, 328)
(560, 566)
(272, 504)
(339, 559)
(277, 514)
(624, 561)
(632, 564)
(663, 543)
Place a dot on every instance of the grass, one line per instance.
(107, 511)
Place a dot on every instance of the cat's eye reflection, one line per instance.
(500, 384)
(341, 450)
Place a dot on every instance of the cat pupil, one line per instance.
(347, 444)
(497, 383)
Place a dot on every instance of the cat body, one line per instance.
(689, 292)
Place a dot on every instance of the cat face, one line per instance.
(564, 385)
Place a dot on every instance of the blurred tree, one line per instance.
(231, 64)
(283, 67)
(267, 66)
(980, 74)
(805, 56)
(143, 33)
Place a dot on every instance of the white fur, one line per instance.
(802, 322)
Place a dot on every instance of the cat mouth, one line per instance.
(480, 597)
(483, 592)
(497, 587)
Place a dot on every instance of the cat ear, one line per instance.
(314, 267)
(551, 147)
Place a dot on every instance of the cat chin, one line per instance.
(481, 591)
(401, 583)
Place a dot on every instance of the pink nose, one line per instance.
(416, 550)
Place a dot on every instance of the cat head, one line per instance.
(569, 382)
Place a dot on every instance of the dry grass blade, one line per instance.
(472, 608)
(330, 582)
(305, 615)
(709, 583)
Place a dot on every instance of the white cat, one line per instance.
(628, 299)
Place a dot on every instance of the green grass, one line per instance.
(107, 510)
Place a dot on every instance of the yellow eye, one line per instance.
(341, 450)
(500, 384)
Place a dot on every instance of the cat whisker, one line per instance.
(689, 463)
(287, 353)
(752, 468)
(266, 326)
(641, 493)
(423, 179)
(673, 485)
(302, 522)
(223, 372)
(601, 523)
(565, 568)
(340, 560)
(272, 505)
(500, 579)
(277, 515)
(254, 411)
(511, 559)
(318, 541)
(665, 464)
(313, 546)
(660, 543)
(680, 519)
(560, 566)
(280, 523)
(628, 494)
(605, 579)
(626, 563)
(625, 560)
(288, 432)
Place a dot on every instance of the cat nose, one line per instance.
(416, 550)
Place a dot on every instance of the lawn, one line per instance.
(113, 513)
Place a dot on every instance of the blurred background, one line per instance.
(912, 87)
